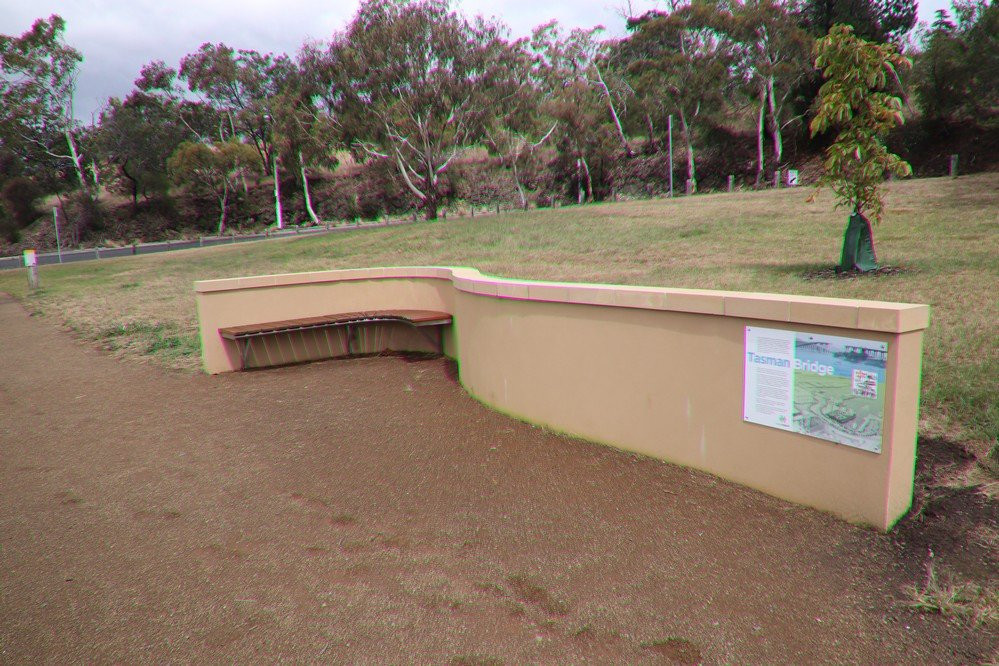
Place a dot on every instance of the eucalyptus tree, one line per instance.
(414, 83)
(873, 20)
(956, 75)
(138, 135)
(684, 59)
(38, 72)
(583, 96)
(212, 170)
(773, 55)
(302, 133)
(239, 84)
(159, 85)
(520, 123)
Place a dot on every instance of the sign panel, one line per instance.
(823, 386)
(792, 177)
(30, 258)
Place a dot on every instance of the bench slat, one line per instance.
(415, 317)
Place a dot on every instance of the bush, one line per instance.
(20, 196)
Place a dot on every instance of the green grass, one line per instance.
(943, 232)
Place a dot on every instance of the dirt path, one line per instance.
(369, 511)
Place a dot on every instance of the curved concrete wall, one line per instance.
(652, 370)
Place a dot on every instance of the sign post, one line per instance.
(55, 221)
(671, 156)
(31, 263)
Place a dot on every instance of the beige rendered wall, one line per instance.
(651, 370)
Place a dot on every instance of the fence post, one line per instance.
(777, 179)
(953, 165)
(731, 183)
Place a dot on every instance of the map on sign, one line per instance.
(824, 386)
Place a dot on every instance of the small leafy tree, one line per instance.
(213, 170)
(854, 99)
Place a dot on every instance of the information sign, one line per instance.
(824, 386)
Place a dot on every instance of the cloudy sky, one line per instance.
(117, 37)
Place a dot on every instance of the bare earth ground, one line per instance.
(369, 511)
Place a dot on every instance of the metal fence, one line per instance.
(92, 254)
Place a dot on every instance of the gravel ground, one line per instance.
(370, 511)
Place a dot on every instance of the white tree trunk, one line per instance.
(689, 142)
(759, 137)
(520, 188)
(279, 219)
(305, 191)
(77, 164)
(613, 112)
(223, 204)
(778, 139)
(589, 180)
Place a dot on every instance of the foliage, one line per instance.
(239, 85)
(213, 170)
(873, 20)
(956, 75)
(771, 54)
(138, 136)
(20, 197)
(854, 100)
(37, 86)
(417, 80)
(681, 62)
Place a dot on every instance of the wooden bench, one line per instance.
(421, 320)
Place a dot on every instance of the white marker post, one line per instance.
(31, 263)
(55, 221)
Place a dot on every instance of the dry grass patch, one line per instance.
(962, 602)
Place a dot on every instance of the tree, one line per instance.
(201, 120)
(683, 58)
(416, 81)
(874, 20)
(773, 53)
(37, 86)
(579, 102)
(956, 75)
(213, 170)
(239, 85)
(138, 135)
(854, 100)
(301, 133)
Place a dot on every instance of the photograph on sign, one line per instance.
(823, 386)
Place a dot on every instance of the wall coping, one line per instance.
(818, 310)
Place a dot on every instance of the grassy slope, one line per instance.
(944, 232)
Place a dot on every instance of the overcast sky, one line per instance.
(117, 37)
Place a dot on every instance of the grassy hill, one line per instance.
(942, 234)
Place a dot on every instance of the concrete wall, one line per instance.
(651, 370)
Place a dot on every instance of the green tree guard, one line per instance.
(858, 246)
